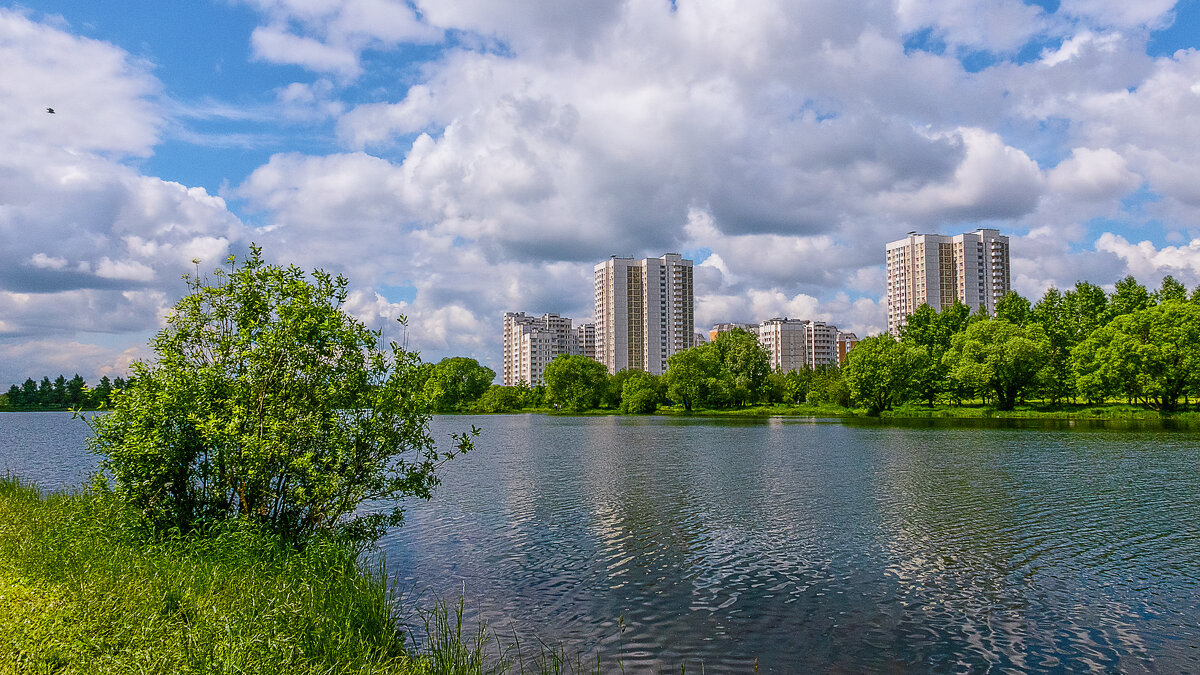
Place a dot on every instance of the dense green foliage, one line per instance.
(268, 403)
(454, 383)
(728, 372)
(575, 382)
(881, 372)
(1133, 345)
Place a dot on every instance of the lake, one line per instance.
(799, 544)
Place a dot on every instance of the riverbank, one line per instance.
(82, 590)
(968, 411)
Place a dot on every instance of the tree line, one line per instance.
(61, 393)
(731, 372)
(1082, 345)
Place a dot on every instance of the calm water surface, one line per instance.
(806, 545)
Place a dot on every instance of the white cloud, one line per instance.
(329, 36)
(994, 181)
(1151, 14)
(1093, 175)
(103, 99)
(1150, 263)
(993, 25)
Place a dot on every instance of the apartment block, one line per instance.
(971, 268)
(793, 344)
(644, 311)
(531, 342)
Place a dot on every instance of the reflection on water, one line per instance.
(818, 546)
(809, 545)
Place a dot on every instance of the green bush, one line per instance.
(268, 403)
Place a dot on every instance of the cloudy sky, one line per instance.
(457, 159)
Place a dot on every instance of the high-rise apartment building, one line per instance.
(531, 342)
(937, 270)
(644, 311)
(793, 344)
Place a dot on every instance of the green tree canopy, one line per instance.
(455, 382)
(1128, 297)
(1052, 314)
(999, 358)
(744, 366)
(640, 394)
(692, 375)
(881, 372)
(575, 382)
(1014, 309)
(269, 403)
(1169, 291)
(498, 399)
(1151, 356)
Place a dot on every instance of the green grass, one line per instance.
(84, 590)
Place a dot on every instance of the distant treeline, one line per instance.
(61, 393)
(1082, 345)
(1133, 345)
(731, 372)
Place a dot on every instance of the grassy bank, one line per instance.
(82, 591)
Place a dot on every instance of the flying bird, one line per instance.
(50, 110)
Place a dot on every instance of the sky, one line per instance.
(457, 159)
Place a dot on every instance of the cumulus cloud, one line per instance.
(1150, 263)
(86, 242)
(329, 36)
(1093, 175)
(785, 142)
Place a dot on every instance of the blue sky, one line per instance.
(457, 160)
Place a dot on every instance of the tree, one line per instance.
(639, 394)
(1170, 291)
(745, 364)
(1051, 313)
(1129, 297)
(13, 398)
(1151, 356)
(880, 372)
(933, 331)
(614, 388)
(498, 399)
(829, 386)
(454, 383)
(75, 392)
(575, 382)
(268, 403)
(60, 392)
(691, 375)
(795, 386)
(102, 392)
(46, 397)
(999, 358)
(30, 397)
(1086, 306)
(1014, 309)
